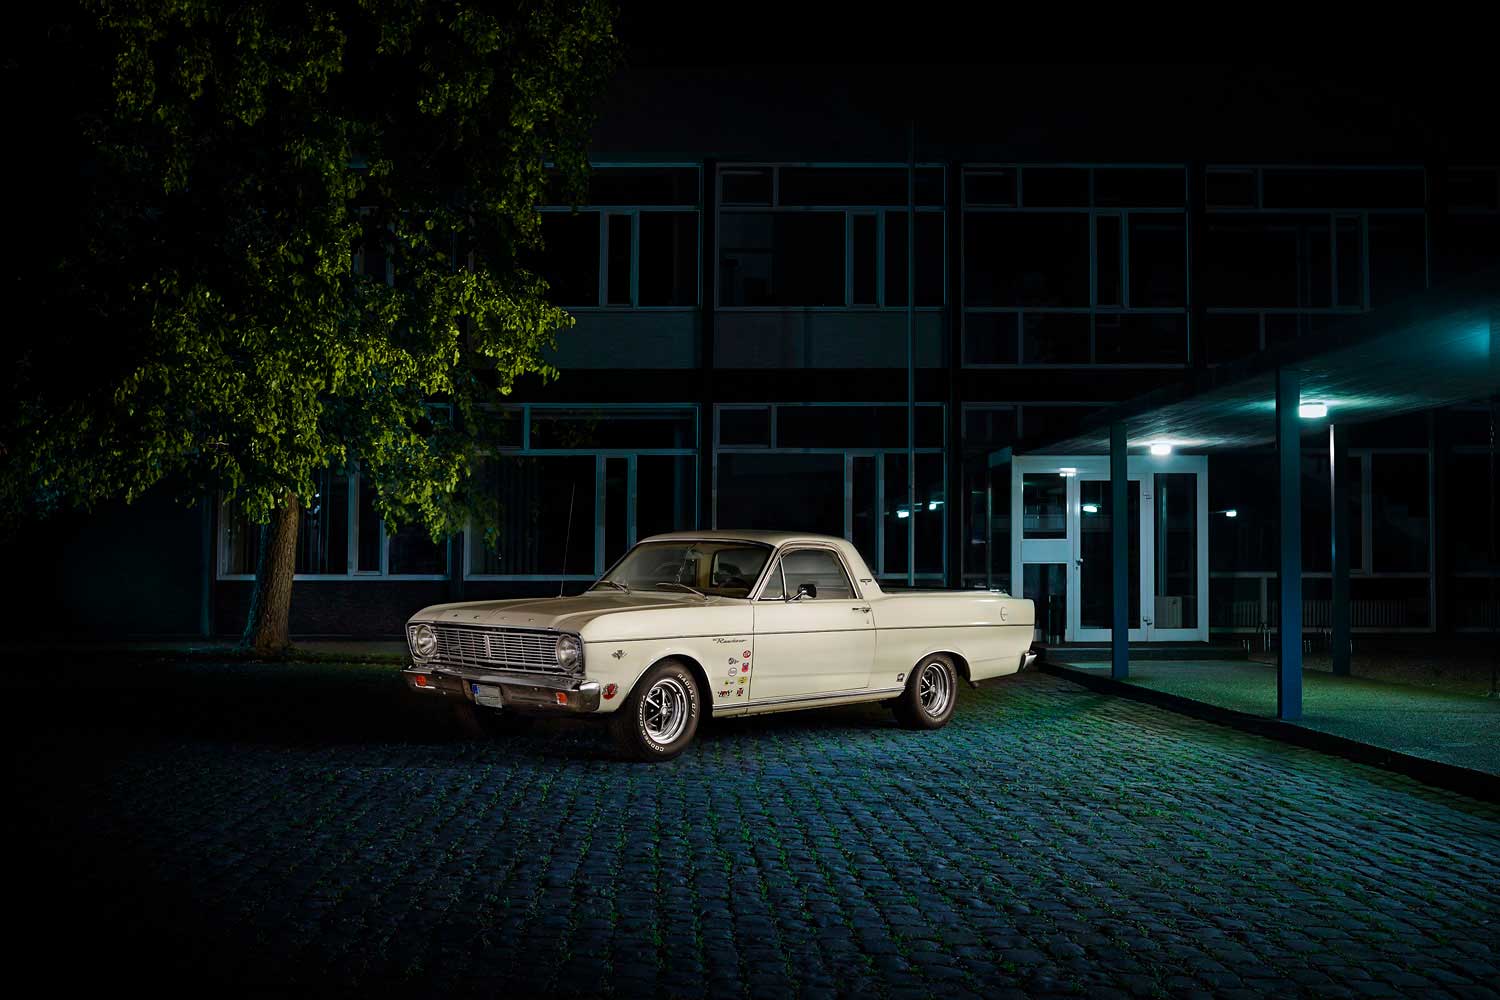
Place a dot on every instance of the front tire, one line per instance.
(660, 718)
(931, 692)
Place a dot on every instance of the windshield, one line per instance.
(724, 569)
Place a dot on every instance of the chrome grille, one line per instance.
(508, 649)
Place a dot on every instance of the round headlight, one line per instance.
(423, 641)
(569, 652)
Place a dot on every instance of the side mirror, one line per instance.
(808, 590)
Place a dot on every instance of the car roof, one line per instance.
(772, 538)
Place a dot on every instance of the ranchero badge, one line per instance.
(618, 654)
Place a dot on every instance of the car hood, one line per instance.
(566, 614)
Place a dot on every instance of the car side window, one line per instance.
(775, 588)
(819, 567)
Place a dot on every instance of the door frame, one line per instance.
(1065, 550)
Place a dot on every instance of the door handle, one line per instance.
(865, 609)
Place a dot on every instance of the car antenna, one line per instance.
(568, 537)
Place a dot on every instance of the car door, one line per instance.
(813, 645)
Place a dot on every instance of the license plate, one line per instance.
(487, 695)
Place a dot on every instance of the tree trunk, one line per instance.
(266, 633)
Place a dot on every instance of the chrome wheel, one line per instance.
(934, 689)
(664, 711)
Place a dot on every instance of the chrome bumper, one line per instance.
(525, 692)
(1027, 659)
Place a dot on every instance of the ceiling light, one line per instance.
(1312, 411)
(1231, 512)
(1091, 508)
(903, 512)
(1161, 448)
(1067, 471)
(933, 504)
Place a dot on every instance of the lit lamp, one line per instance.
(1091, 508)
(1312, 411)
(1161, 449)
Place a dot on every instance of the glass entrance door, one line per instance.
(1093, 562)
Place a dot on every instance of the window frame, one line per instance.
(1093, 309)
(601, 457)
(791, 547)
(605, 212)
(351, 562)
(849, 211)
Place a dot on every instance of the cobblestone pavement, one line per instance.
(286, 829)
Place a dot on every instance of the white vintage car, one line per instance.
(721, 623)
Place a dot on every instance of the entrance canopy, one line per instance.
(1434, 349)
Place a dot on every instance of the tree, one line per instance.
(213, 176)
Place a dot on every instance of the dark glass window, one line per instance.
(857, 186)
(414, 553)
(781, 492)
(621, 231)
(1344, 188)
(745, 186)
(1054, 187)
(1026, 260)
(1277, 261)
(1474, 189)
(1055, 422)
(643, 186)
(1055, 339)
(925, 517)
(989, 428)
(865, 264)
(613, 428)
(1230, 188)
(1158, 260)
(323, 541)
(1044, 504)
(1398, 492)
(1107, 260)
(370, 532)
(570, 259)
(929, 259)
(1131, 339)
(745, 427)
(997, 187)
(1140, 187)
(990, 338)
(546, 508)
(666, 488)
(668, 268)
(1398, 257)
(1351, 281)
(855, 426)
(616, 507)
(1229, 338)
(782, 259)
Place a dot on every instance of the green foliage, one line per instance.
(224, 169)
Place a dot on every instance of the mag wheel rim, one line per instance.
(664, 711)
(935, 689)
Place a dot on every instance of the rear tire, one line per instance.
(931, 692)
(660, 717)
(480, 723)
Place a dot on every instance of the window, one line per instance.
(819, 567)
(1398, 494)
(792, 259)
(339, 535)
(546, 517)
(1026, 260)
(1044, 505)
(827, 237)
(639, 252)
(775, 589)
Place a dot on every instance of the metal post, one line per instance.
(911, 354)
(1289, 464)
(1119, 550)
(1338, 527)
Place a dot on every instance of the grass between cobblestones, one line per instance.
(313, 827)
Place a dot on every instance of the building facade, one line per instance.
(750, 323)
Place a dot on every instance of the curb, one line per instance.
(1452, 777)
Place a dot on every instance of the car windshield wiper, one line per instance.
(612, 583)
(690, 590)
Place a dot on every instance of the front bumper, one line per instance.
(529, 693)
